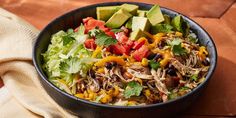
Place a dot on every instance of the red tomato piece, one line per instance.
(90, 44)
(141, 53)
(137, 44)
(110, 33)
(121, 37)
(118, 49)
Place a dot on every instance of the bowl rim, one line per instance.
(44, 77)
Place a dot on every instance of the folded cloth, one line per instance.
(22, 95)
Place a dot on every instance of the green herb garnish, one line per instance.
(133, 89)
(154, 65)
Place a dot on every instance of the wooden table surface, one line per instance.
(216, 16)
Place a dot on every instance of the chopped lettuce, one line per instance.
(66, 56)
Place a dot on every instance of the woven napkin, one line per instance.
(22, 95)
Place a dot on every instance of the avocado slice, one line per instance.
(140, 23)
(154, 15)
(167, 19)
(142, 13)
(118, 19)
(135, 35)
(130, 8)
(104, 13)
(128, 24)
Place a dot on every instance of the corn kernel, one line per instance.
(106, 99)
(144, 62)
(178, 34)
(79, 95)
(139, 80)
(100, 70)
(130, 103)
(116, 92)
(147, 93)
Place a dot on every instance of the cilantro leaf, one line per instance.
(104, 40)
(154, 65)
(194, 77)
(166, 28)
(133, 89)
(67, 39)
(178, 50)
(94, 32)
(184, 88)
(116, 30)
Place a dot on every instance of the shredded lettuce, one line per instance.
(66, 56)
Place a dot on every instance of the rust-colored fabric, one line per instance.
(216, 16)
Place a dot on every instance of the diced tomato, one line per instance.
(85, 20)
(118, 49)
(137, 44)
(90, 23)
(90, 44)
(141, 53)
(110, 33)
(121, 37)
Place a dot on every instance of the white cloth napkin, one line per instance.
(22, 95)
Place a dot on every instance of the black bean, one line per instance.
(171, 72)
(151, 56)
(161, 45)
(108, 65)
(206, 62)
(113, 63)
(92, 73)
(157, 56)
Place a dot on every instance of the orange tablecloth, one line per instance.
(216, 16)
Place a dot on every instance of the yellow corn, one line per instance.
(110, 92)
(85, 94)
(202, 52)
(178, 34)
(147, 93)
(139, 80)
(116, 91)
(106, 99)
(100, 70)
(130, 103)
(144, 62)
(79, 95)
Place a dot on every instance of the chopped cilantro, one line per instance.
(154, 65)
(67, 39)
(133, 89)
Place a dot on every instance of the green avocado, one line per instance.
(130, 8)
(140, 23)
(155, 15)
(104, 13)
(135, 35)
(128, 24)
(142, 13)
(118, 19)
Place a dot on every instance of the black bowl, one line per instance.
(88, 109)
